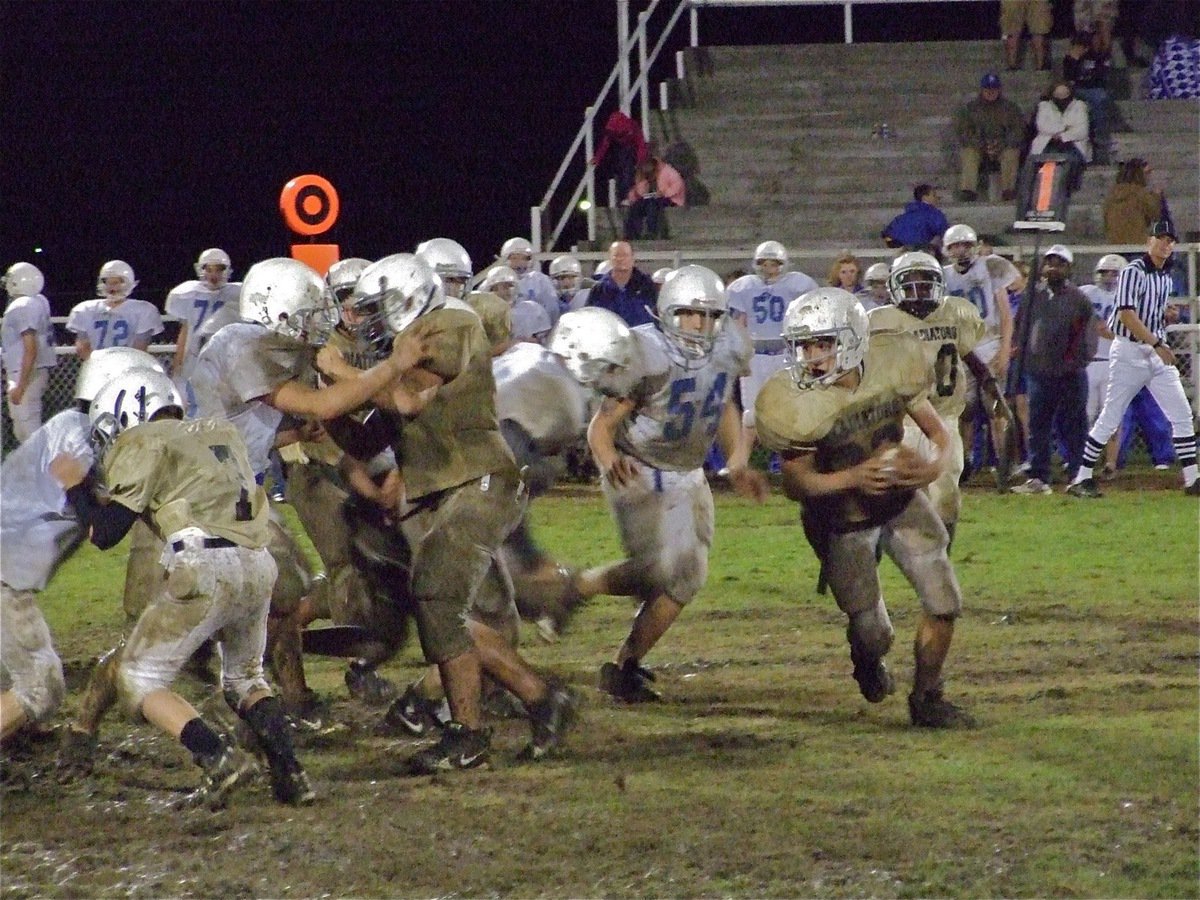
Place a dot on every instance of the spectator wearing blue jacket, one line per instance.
(626, 289)
(921, 225)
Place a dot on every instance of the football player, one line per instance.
(836, 415)
(460, 497)
(983, 280)
(193, 303)
(948, 328)
(114, 319)
(533, 284)
(256, 371)
(664, 405)
(450, 260)
(758, 301)
(192, 481)
(567, 275)
(26, 347)
(38, 532)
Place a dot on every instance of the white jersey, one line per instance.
(979, 286)
(537, 392)
(38, 528)
(764, 304)
(29, 313)
(103, 326)
(1103, 303)
(679, 408)
(193, 303)
(239, 364)
(537, 286)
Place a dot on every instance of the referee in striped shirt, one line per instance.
(1139, 358)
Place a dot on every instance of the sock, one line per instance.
(199, 738)
(268, 722)
(1084, 473)
(1190, 474)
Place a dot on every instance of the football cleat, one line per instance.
(1032, 486)
(368, 686)
(629, 683)
(222, 771)
(932, 710)
(871, 672)
(410, 713)
(459, 747)
(290, 784)
(551, 717)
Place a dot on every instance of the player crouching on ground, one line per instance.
(192, 482)
(836, 415)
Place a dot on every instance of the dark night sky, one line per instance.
(151, 130)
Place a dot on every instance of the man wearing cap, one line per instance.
(989, 127)
(1062, 331)
(1139, 357)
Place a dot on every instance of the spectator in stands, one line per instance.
(625, 289)
(1015, 17)
(657, 186)
(990, 129)
(1131, 205)
(1175, 70)
(1085, 67)
(1062, 127)
(1062, 341)
(1096, 17)
(846, 273)
(624, 137)
(921, 225)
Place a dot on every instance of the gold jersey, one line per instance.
(947, 335)
(194, 473)
(456, 437)
(844, 427)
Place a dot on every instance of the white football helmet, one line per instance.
(602, 268)
(828, 313)
(769, 251)
(287, 297)
(916, 283)
(529, 321)
(566, 272)
(968, 243)
(23, 280)
(1108, 270)
(596, 345)
(106, 364)
(214, 256)
(692, 289)
(343, 275)
(877, 273)
(130, 399)
(120, 271)
(521, 247)
(660, 275)
(391, 294)
(501, 280)
(450, 261)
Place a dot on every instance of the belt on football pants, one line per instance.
(209, 543)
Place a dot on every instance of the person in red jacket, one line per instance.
(658, 186)
(624, 136)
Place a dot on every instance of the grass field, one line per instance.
(763, 772)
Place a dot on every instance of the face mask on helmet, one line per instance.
(391, 294)
(691, 310)
(916, 284)
(342, 276)
(289, 298)
(133, 398)
(769, 259)
(214, 268)
(450, 260)
(825, 335)
(596, 346)
(1108, 270)
(565, 271)
(23, 280)
(115, 281)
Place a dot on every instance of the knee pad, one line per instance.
(871, 631)
(42, 688)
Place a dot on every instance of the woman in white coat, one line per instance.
(1062, 126)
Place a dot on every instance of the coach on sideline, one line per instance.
(1139, 358)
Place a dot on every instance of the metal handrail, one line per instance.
(586, 187)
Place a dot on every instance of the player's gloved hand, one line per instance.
(749, 483)
(622, 472)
